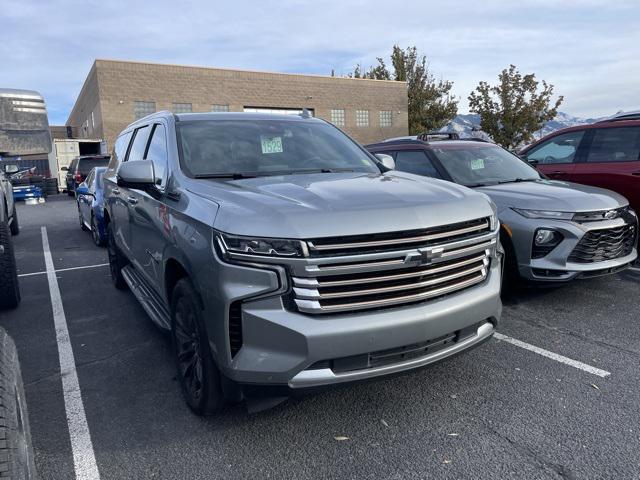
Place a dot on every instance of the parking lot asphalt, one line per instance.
(499, 411)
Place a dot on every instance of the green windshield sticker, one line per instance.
(271, 144)
(477, 164)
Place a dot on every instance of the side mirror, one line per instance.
(10, 168)
(82, 189)
(386, 160)
(137, 174)
(64, 169)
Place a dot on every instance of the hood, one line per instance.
(334, 204)
(553, 195)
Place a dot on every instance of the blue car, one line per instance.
(89, 195)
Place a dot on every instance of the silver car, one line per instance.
(552, 231)
(281, 254)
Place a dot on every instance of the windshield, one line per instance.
(473, 165)
(264, 147)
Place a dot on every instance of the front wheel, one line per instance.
(198, 374)
(95, 232)
(9, 286)
(15, 226)
(116, 261)
(80, 217)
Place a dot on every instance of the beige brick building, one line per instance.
(115, 93)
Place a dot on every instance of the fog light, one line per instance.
(547, 238)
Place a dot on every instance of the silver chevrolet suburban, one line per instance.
(284, 257)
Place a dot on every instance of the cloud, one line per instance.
(587, 49)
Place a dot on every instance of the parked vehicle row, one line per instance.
(552, 231)
(284, 257)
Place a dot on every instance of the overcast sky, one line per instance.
(588, 49)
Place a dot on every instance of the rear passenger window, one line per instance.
(139, 144)
(415, 161)
(157, 153)
(119, 150)
(615, 145)
(559, 149)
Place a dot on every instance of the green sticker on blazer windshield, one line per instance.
(477, 164)
(271, 144)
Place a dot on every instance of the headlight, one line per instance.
(548, 214)
(272, 247)
(494, 215)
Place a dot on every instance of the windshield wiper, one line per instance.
(321, 170)
(518, 180)
(473, 185)
(233, 176)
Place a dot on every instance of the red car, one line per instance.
(604, 154)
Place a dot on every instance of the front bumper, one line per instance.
(279, 344)
(556, 266)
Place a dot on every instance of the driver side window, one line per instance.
(559, 149)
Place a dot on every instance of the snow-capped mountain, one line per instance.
(464, 125)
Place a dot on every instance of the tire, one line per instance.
(9, 286)
(511, 279)
(15, 226)
(16, 450)
(197, 372)
(95, 232)
(83, 227)
(116, 261)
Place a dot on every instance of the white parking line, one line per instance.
(84, 458)
(64, 270)
(553, 356)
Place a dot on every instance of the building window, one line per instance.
(338, 117)
(142, 109)
(219, 108)
(386, 118)
(182, 108)
(362, 118)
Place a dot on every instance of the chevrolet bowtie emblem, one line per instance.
(429, 254)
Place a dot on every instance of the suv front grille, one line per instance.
(606, 244)
(384, 242)
(463, 259)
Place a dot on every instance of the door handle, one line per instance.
(115, 191)
(132, 200)
(558, 173)
(636, 174)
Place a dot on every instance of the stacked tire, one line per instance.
(16, 451)
(50, 186)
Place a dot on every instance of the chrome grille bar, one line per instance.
(399, 240)
(430, 270)
(314, 306)
(304, 293)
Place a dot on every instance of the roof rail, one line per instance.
(621, 118)
(438, 136)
